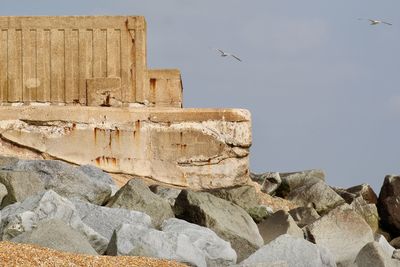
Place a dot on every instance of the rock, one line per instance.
(226, 219)
(135, 195)
(67, 180)
(139, 240)
(342, 231)
(260, 213)
(318, 196)
(100, 175)
(269, 181)
(56, 234)
(368, 211)
(216, 251)
(105, 220)
(20, 185)
(384, 244)
(293, 180)
(396, 254)
(7, 162)
(372, 254)
(244, 196)
(23, 217)
(3, 192)
(295, 251)
(389, 204)
(395, 242)
(265, 264)
(168, 193)
(365, 191)
(304, 216)
(278, 224)
(347, 196)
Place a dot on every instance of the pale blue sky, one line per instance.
(322, 86)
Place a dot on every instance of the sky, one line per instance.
(321, 85)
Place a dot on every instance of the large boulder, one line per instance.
(316, 195)
(389, 204)
(135, 195)
(278, 224)
(23, 217)
(100, 176)
(342, 231)
(105, 220)
(225, 218)
(67, 180)
(244, 196)
(304, 215)
(20, 185)
(368, 211)
(56, 234)
(293, 180)
(372, 254)
(139, 240)
(295, 251)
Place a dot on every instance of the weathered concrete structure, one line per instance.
(78, 89)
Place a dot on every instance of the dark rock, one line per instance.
(135, 195)
(293, 180)
(304, 215)
(389, 204)
(269, 181)
(366, 191)
(347, 196)
(225, 218)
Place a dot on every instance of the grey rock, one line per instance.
(293, 180)
(168, 193)
(269, 181)
(226, 219)
(3, 192)
(347, 196)
(244, 196)
(342, 231)
(67, 180)
(384, 244)
(318, 196)
(265, 264)
(99, 175)
(139, 240)
(217, 252)
(372, 254)
(396, 255)
(368, 211)
(56, 234)
(304, 215)
(23, 217)
(295, 251)
(20, 185)
(388, 204)
(7, 162)
(395, 242)
(278, 224)
(365, 191)
(135, 195)
(260, 213)
(105, 220)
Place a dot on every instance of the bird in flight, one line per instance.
(375, 21)
(225, 54)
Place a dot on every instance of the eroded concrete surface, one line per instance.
(197, 148)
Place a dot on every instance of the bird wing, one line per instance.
(373, 21)
(387, 23)
(236, 57)
(219, 50)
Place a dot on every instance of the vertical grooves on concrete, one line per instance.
(3, 65)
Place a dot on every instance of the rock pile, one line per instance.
(80, 210)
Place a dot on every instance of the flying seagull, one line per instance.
(224, 54)
(375, 21)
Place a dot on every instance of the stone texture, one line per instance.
(139, 240)
(317, 195)
(368, 211)
(3, 192)
(278, 224)
(293, 180)
(135, 195)
(388, 204)
(105, 220)
(396, 255)
(384, 244)
(245, 196)
(304, 216)
(269, 181)
(20, 185)
(56, 234)
(226, 219)
(295, 251)
(68, 181)
(104, 92)
(372, 254)
(168, 193)
(23, 217)
(100, 176)
(366, 191)
(155, 143)
(216, 251)
(395, 242)
(342, 231)
(260, 213)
